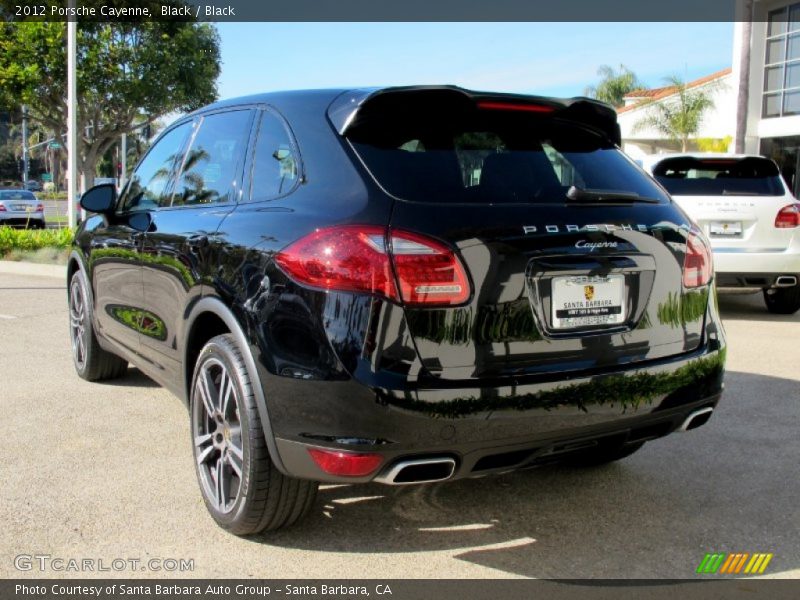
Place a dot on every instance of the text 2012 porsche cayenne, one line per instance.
(399, 285)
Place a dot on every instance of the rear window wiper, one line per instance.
(577, 194)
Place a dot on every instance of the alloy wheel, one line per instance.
(217, 434)
(77, 322)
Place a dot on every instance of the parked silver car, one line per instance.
(21, 208)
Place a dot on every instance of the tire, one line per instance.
(603, 456)
(229, 447)
(92, 363)
(783, 301)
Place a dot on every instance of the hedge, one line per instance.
(33, 239)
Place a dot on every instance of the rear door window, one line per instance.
(211, 171)
(149, 182)
(690, 176)
(478, 157)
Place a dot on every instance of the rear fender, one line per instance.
(218, 308)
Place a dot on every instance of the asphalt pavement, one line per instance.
(104, 471)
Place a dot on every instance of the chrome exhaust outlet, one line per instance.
(422, 470)
(786, 281)
(696, 419)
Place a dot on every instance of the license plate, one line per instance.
(20, 207)
(725, 228)
(588, 301)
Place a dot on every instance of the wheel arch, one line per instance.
(75, 263)
(208, 318)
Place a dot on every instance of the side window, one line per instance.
(211, 168)
(275, 168)
(148, 185)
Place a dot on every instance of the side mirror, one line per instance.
(141, 221)
(100, 199)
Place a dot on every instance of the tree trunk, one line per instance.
(744, 78)
(87, 169)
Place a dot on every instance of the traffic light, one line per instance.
(119, 169)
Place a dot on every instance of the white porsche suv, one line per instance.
(742, 204)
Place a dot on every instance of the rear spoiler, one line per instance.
(353, 107)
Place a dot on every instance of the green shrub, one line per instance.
(33, 239)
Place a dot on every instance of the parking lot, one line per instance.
(104, 471)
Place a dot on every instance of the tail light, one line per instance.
(40, 208)
(402, 266)
(2, 208)
(788, 216)
(427, 271)
(697, 265)
(347, 464)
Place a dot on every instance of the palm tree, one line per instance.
(678, 117)
(614, 84)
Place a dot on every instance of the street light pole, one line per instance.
(72, 122)
(123, 160)
(24, 146)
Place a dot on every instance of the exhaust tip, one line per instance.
(696, 419)
(786, 281)
(423, 470)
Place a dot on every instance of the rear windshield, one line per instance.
(688, 176)
(16, 195)
(492, 157)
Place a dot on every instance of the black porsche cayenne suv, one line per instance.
(400, 285)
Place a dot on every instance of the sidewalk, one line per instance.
(28, 268)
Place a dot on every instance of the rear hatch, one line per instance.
(735, 200)
(575, 258)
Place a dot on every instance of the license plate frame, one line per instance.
(588, 301)
(725, 228)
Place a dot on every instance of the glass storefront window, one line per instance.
(794, 17)
(777, 22)
(773, 78)
(785, 151)
(793, 51)
(772, 105)
(791, 103)
(775, 50)
(793, 75)
(782, 62)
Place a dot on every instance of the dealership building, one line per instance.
(766, 75)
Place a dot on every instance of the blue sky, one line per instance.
(557, 59)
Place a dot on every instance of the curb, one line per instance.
(13, 267)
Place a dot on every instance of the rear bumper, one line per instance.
(729, 263)
(756, 280)
(21, 219)
(492, 429)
